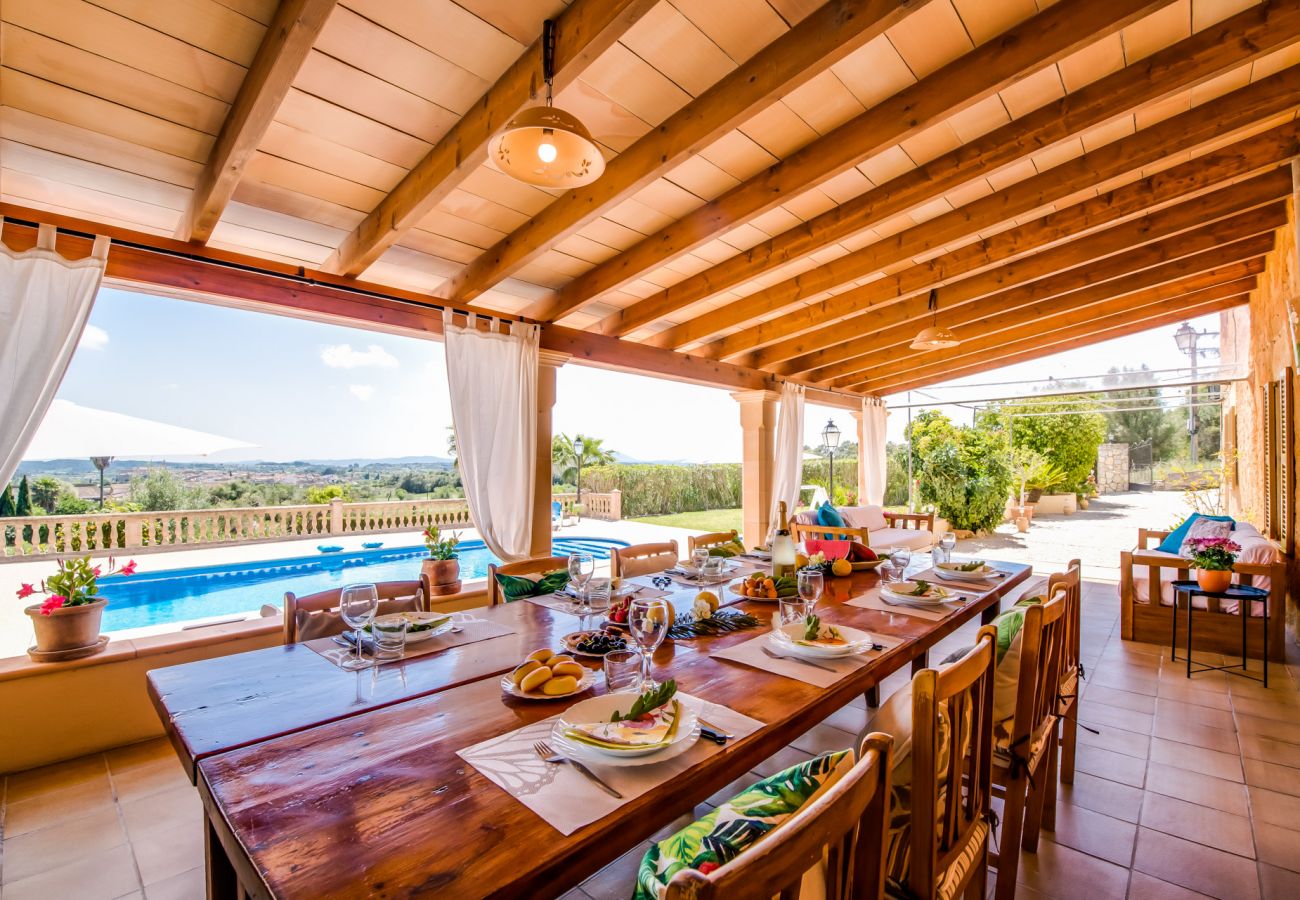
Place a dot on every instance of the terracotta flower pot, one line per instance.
(443, 575)
(1022, 524)
(1214, 579)
(67, 628)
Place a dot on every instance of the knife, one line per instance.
(350, 638)
(716, 736)
(714, 728)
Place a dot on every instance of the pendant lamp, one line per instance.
(546, 146)
(934, 337)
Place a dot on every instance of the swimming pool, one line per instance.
(178, 595)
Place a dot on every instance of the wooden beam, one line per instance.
(1208, 53)
(585, 30)
(1048, 36)
(1044, 320)
(768, 343)
(826, 36)
(284, 48)
(1074, 263)
(1168, 260)
(1033, 350)
(1204, 124)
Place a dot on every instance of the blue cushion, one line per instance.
(829, 515)
(1174, 542)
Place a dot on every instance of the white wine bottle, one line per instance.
(783, 554)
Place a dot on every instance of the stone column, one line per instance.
(862, 456)
(758, 426)
(548, 363)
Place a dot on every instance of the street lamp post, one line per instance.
(1187, 338)
(831, 440)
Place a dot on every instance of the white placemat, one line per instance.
(566, 604)
(470, 630)
(563, 796)
(821, 672)
(903, 609)
(933, 577)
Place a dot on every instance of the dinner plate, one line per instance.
(599, 709)
(731, 589)
(508, 685)
(867, 564)
(441, 622)
(936, 596)
(572, 640)
(787, 638)
(949, 572)
(728, 565)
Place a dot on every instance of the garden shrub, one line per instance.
(656, 490)
(963, 472)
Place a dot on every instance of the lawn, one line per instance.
(701, 520)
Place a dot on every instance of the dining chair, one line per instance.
(538, 566)
(642, 559)
(802, 531)
(316, 615)
(1071, 583)
(712, 539)
(1025, 764)
(942, 726)
(843, 828)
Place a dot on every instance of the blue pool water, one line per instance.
(178, 595)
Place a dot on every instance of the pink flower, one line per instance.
(25, 591)
(55, 601)
(128, 569)
(96, 571)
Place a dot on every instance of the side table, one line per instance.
(1244, 594)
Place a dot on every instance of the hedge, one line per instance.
(657, 490)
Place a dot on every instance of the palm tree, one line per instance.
(570, 454)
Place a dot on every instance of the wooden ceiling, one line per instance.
(787, 180)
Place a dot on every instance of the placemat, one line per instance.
(566, 604)
(821, 672)
(981, 586)
(471, 631)
(899, 608)
(564, 797)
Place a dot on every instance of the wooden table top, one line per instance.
(379, 804)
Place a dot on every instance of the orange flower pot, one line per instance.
(1214, 579)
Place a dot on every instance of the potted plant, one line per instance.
(442, 568)
(1213, 558)
(1024, 465)
(67, 621)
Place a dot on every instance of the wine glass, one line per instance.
(811, 582)
(699, 556)
(357, 606)
(648, 621)
(948, 542)
(581, 567)
(900, 559)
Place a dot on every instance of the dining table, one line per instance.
(322, 782)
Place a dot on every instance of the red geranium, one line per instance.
(25, 591)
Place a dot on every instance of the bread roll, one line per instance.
(568, 668)
(559, 658)
(523, 669)
(565, 684)
(536, 678)
(541, 655)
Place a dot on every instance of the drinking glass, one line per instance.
(623, 671)
(948, 542)
(581, 567)
(357, 606)
(699, 556)
(648, 622)
(811, 583)
(794, 610)
(899, 560)
(714, 566)
(390, 636)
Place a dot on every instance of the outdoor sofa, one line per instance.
(874, 526)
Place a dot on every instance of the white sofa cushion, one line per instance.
(889, 538)
(871, 518)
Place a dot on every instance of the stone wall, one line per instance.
(1112, 468)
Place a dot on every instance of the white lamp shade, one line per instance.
(935, 338)
(523, 149)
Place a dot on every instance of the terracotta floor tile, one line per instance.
(1280, 752)
(1190, 693)
(1143, 887)
(40, 851)
(55, 777)
(1279, 883)
(167, 849)
(191, 885)
(615, 881)
(1116, 740)
(54, 807)
(1278, 846)
(179, 806)
(148, 778)
(1195, 714)
(123, 758)
(1283, 779)
(1119, 801)
(102, 875)
(1268, 709)
(1197, 759)
(1142, 703)
(1204, 790)
(1124, 681)
(1107, 764)
(781, 759)
(1273, 729)
(1195, 867)
(1063, 873)
(1095, 834)
(1273, 807)
(852, 719)
(1277, 690)
(1210, 827)
(1100, 715)
(824, 739)
(1196, 735)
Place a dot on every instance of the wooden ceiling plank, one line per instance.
(1202, 125)
(287, 42)
(1047, 37)
(1191, 214)
(1033, 351)
(584, 31)
(828, 35)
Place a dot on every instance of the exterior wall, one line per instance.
(1112, 468)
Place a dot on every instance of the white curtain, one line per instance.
(874, 415)
(787, 468)
(493, 382)
(44, 303)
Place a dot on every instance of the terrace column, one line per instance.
(862, 457)
(758, 426)
(548, 363)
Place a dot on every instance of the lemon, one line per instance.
(841, 567)
(800, 560)
(708, 597)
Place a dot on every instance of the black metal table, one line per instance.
(1244, 594)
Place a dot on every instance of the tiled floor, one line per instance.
(1191, 789)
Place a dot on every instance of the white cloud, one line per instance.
(361, 391)
(345, 356)
(93, 338)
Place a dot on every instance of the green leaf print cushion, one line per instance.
(516, 587)
(738, 824)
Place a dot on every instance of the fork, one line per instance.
(543, 749)
(807, 662)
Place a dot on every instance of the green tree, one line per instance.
(896, 474)
(1066, 431)
(24, 505)
(567, 461)
(1129, 423)
(69, 504)
(47, 490)
(160, 489)
(7, 508)
(326, 492)
(964, 472)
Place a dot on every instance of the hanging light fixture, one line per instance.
(934, 337)
(544, 145)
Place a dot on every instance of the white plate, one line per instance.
(936, 596)
(728, 565)
(420, 618)
(572, 640)
(787, 638)
(950, 572)
(596, 709)
(508, 685)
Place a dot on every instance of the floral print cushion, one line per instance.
(738, 824)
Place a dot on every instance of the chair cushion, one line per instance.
(327, 623)
(1173, 542)
(829, 515)
(889, 538)
(871, 518)
(516, 587)
(738, 824)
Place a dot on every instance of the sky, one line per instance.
(298, 389)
